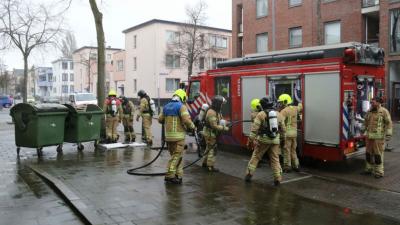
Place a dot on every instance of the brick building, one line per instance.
(267, 25)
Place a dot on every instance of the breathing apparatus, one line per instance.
(270, 126)
(113, 107)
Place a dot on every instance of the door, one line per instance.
(252, 87)
(396, 101)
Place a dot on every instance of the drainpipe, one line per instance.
(273, 25)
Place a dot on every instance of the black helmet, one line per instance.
(123, 99)
(217, 102)
(141, 93)
(266, 103)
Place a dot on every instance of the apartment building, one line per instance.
(63, 78)
(85, 69)
(150, 65)
(267, 25)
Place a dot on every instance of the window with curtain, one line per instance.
(261, 8)
(332, 32)
(295, 37)
(262, 42)
(171, 84)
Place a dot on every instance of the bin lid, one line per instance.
(46, 107)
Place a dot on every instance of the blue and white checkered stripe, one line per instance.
(346, 124)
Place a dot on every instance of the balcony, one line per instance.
(369, 6)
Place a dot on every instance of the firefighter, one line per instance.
(255, 108)
(378, 129)
(265, 129)
(214, 125)
(128, 110)
(176, 120)
(113, 111)
(147, 115)
(290, 114)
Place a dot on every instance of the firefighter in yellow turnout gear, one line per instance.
(128, 110)
(265, 129)
(255, 108)
(176, 120)
(214, 125)
(290, 114)
(378, 128)
(147, 115)
(112, 109)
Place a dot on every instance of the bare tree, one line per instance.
(101, 62)
(26, 25)
(68, 45)
(190, 44)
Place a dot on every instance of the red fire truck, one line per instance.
(334, 83)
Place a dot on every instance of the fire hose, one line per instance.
(133, 170)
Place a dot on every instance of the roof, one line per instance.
(153, 21)
(93, 47)
(62, 59)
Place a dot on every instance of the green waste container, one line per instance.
(38, 126)
(83, 124)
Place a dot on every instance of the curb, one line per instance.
(87, 216)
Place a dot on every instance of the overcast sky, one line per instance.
(119, 15)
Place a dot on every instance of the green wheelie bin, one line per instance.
(83, 125)
(38, 126)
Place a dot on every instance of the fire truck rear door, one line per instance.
(322, 108)
(252, 87)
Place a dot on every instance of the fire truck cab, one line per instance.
(334, 83)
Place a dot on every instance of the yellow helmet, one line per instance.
(181, 94)
(255, 104)
(112, 93)
(285, 99)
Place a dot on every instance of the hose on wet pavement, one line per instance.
(133, 170)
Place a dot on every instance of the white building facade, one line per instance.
(63, 78)
(150, 66)
(44, 81)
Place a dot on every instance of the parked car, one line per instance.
(6, 101)
(30, 100)
(81, 99)
(50, 99)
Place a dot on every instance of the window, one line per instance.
(71, 77)
(134, 41)
(71, 88)
(194, 90)
(42, 78)
(108, 57)
(218, 41)
(201, 63)
(395, 30)
(65, 77)
(54, 90)
(65, 89)
(50, 77)
(215, 61)
(295, 37)
(134, 63)
(93, 56)
(172, 61)
(262, 42)
(261, 8)
(202, 40)
(71, 65)
(120, 65)
(173, 37)
(54, 78)
(134, 85)
(332, 32)
(294, 2)
(64, 65)
(171, 85)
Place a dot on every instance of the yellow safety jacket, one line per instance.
(378, 123)
(290, 120)
(144, 107)
(212, 128)
(176, 120)
(259, 123)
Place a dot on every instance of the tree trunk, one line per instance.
(190, 69)
(98, 18)
(25, 83)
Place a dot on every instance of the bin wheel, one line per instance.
(96, 143)
(39, 151)
(59, 149)
(18, 150)
(80, 147)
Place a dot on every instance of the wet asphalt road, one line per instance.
(99, 178)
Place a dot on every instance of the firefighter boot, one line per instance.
(248, 177)
(173, 180)
(277, 183)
